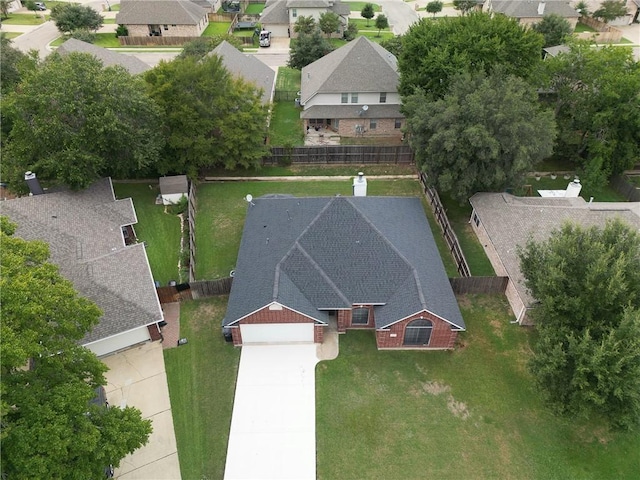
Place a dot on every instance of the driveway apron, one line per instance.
(273, 424)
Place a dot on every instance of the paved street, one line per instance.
(401, 15)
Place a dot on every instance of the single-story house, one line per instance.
(353, 91)
(108, 58)
(92, 241)
(353, 262)
(162, 18)
(504, 222)
(528, 12)
(173, 188)
(247, 67)
(280, 16)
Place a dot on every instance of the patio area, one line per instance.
(322, 136)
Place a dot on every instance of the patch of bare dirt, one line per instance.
(205, 315)
(435, 388)
(459, 409)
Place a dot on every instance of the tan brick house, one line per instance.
(356, 262)
(353, 91)
(162, 18)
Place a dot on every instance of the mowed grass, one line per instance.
(157, 227)
(104, 40)
(358, 6)
(222, 209)
(317, 170)
(216, 28)
(286, 125)
(201, 377)
(289, 79)
(25, 19)
(362, 24)
(254, 8)
(467, 414)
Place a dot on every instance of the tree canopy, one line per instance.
(610, 10)
(200, 46)
(597, 105)
(434, 7)
(381, 23)
(433, 52)
(307, 49)
(367, 12)
(329, 23)
(554, 28)
(485, 134)
(71, 16)
(210, 118)
(75, 121)
(305, 25)
(50, 429)
(13, 65)
(465, 6)
(587, 357)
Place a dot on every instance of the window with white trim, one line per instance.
(418, 332)
(383, 97)
(344, 98)
(354, 98)
(360, 316)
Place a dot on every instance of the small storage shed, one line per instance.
(173, 189)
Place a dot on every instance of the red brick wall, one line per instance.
(273, 316)
(442, 337)
(343, 318)
(318, 333)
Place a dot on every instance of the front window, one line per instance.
(294, 12)
(418, 332)
(383, 97)
(354, 98)
(373, 124)
(360, 316)
(345, 98)
(398, 123)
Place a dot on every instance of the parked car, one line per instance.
(41, 6)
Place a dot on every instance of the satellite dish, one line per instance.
(249, 199)
(365, 107)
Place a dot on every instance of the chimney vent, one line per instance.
(360, 185)
(33, 183)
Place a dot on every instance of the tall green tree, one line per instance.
(4, 8)
(434, 7)
(597, 106)
(329, 23)
(200, 46)
(465, 6)
(485, 134)
(71, 16)
(75, 121)
(49, 427)
(393, 44)
(14, 64)
(305, 25)
(433, 52)
(367, 12)
(587, 357)
(381, 23)
(610, 10)
(554, 28)
(307, 49)
(211, 118)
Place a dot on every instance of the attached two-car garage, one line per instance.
(277, 333)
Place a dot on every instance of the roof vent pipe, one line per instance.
(360, 185)
(33, 183)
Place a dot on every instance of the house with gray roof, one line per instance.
(248, 67)
(108, 58)
(503, 223)
(530, 12)
(280, 16)
(352, 262)
(92, 241)
(353, 91)
(162, 18)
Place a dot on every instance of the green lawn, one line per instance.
(288, 79)
(25, 19)
(105, 40)
(581, 27)
(222, 209)
(109, 21)
(11, 35)
(286, 125)
(358, 6)
(161, 230)
(201, 377)
(216, 28)
(315, 170)
(115, 8)
(254, 8)
(467, 414)
(373, 35)
(361, 23)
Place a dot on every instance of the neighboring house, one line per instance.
(91, 239)
(554, 51)
(354, 91)
(162, 18)
(503, 223)
(108, 58)
(173, 189)
(353, 262)
(247, 67)
(529, 12)
(209, 5)
(280, 16)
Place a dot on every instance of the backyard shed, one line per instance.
(173, 189)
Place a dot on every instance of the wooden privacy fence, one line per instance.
(463, 285)
(148, 40)
(629, 191)
(341, 154)
(192, 290)
(447, 232)
(191, 219)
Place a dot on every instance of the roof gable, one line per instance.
(108, 58)
(173, 12)
(529, 9)
(359, 66)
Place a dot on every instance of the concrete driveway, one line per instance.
(273, 424)
(137, 378)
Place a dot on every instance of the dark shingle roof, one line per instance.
(529, 9)
(352, 111)
(510, 221)
(248, 67)
(170, 12)
(359, 66)
(108, 58)
(275, 12)
(174, 184)
(83, 230)
(332, 253)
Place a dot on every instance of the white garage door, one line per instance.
(277, 333)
